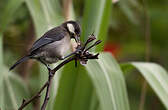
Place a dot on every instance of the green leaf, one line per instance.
(1, 49)
(109, 83)
(7, 12)
(37, 14)
(94, 103)
(74, 84)
(44, 15)
(156, 76)
(130, 8)
(12, 90)
(128, 12)
(96, 19)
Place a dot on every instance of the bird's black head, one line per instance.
(74, 29)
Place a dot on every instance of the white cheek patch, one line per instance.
(71, 28)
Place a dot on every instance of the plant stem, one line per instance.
(47, 96)
(25, 103)
(1, 48)
(49, 82)
(67, 4)
(148, 51)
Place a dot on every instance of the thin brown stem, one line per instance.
(47, 84)
(66, 8)
(25, 103)
(47, 96)
(148, 51)
(50, 77)
(63, 63)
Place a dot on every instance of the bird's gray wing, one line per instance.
(52, 35)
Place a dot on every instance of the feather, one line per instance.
(51, 36)
(19, 61)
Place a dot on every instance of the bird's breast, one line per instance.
(51, 53)
(58, 48)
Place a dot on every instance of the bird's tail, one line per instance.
(19, 61)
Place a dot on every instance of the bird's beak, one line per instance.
(77, 39)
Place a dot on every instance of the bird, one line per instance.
(53, 45)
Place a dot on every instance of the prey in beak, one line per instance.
(77, 39)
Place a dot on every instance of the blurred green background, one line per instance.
(131, 30)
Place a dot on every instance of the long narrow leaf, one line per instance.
(96, 19)
(7, 12)
(94, 103)
(12, 90)
(38, 16)
(156, 76)
(109, 83)
(74, 85)
(1, 46)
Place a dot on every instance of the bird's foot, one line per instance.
(48, 67)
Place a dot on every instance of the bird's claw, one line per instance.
(48, 67)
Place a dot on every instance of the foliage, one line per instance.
(100, 85)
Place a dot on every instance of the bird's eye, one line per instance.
(73, 34)
(77, 32)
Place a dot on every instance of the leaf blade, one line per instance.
(8, 11)
(99, 22)
(156, 76)
(13, 90)
(108, 82)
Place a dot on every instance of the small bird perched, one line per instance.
(53, 45)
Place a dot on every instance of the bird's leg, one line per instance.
(76, 62)
(47, 65)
